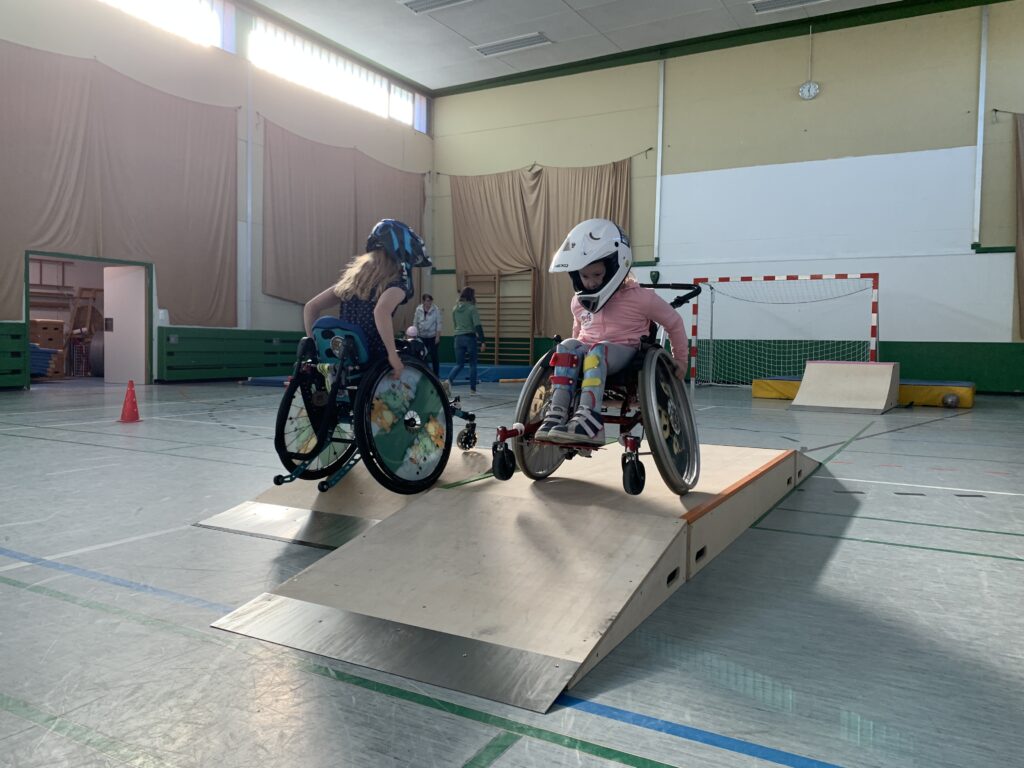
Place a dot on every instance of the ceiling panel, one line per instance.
(564, 53)
(620, 15)
(691, 25)
(567, 25)
(436, 49)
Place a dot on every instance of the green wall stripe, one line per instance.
(979, 248)
(494, 749)
(891, 544)
(510, 726)
(825, 23)
(100, 742)
(901, 522)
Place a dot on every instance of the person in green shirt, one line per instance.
(468, 332)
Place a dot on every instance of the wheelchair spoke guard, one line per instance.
(403, 427)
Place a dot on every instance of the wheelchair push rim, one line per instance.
(669, 422)
(307, 428)
(403, 426)
(536, 460)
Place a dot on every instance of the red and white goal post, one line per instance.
(762, 326)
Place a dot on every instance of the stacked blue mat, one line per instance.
(39, 359)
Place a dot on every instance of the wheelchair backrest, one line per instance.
(331, 335)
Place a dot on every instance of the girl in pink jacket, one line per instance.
(611, 312)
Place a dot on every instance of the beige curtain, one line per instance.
(505, 222)
(96, 164)
(1018, 121)
(319, 204)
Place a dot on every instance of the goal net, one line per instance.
(753, 327)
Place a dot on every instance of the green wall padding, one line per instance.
(14, 358)
(190, 354)
(992, 366)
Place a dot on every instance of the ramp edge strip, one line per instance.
(698, 512)
(500, 673)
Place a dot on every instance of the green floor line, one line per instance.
(468, 480)
(511, 727)
(111, 747)
(843, 447)
(521, 729)
(494, 749)
(792, 490)
(893, 544)
(902, 522)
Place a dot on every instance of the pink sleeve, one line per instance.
(573, 306)
(661, 312)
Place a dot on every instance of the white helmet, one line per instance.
(590, 241)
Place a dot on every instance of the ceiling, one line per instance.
(437, 49)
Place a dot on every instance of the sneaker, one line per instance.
(473, 390)
(586, 427)
(555, 417)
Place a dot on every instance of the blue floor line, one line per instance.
(602, 710)
(133, 585)
(693, 734)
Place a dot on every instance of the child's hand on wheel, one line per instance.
(680, 369)
(396, 365)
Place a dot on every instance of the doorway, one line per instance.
(89, 317)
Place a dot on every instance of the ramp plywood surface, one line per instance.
(848, 387)
(509, 590)
(297, 512)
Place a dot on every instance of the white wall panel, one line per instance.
(907, 216)
(909, 203)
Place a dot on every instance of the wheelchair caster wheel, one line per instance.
(503, 462)
(278, 480)
(323, 486)
(633, 476)
(466, 440)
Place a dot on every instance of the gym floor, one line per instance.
(872, 618)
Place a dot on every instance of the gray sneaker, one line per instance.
(586, 427)
(554, 417)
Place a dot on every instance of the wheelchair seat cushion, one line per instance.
(327, 328)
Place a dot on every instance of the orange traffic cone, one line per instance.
(130, 409)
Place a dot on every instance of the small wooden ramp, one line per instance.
(514, 590)
(848, 387)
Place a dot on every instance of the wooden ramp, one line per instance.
(848, 387)
(297, 512)
(514, 590)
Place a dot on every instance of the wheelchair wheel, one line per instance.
(301, 431)
(403, 426)
(669, 422)
(536, 460)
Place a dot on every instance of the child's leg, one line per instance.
(587, 425)
(563, 381)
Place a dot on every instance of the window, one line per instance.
(195, 20)
(301, 61)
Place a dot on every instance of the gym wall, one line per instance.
(876, 174)
(210, 75)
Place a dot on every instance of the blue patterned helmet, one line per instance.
(400, 242)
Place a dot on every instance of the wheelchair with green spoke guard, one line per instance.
(645, 397)
(340, 408)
